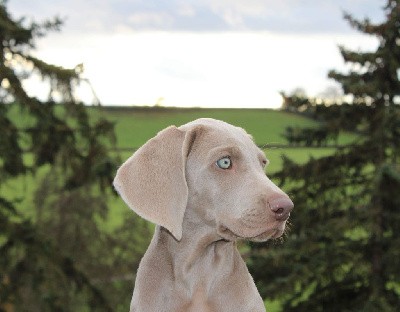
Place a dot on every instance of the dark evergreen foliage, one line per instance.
(342, 252)
(54, 256)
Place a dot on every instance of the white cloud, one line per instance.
(233, 19)
(242, 7)
(234, 12)
(245, 69)
(202, 15)
(200, 66)
(186, 10)
(151, 19)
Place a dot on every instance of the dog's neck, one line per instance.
(198, 273)
(200, 246)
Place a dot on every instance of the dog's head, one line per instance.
(210, 166)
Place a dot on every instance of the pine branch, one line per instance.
(365, 25)
(364, 59)
(23, 234)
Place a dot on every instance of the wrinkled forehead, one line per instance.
(218, 131)
(215, 133)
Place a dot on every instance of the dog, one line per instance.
(204, 186)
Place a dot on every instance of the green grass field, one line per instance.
(134, 126)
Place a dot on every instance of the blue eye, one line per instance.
(224, 163)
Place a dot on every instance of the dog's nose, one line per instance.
(281, 206)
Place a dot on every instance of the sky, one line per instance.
(202, 53)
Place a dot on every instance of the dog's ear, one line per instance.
(152, 181)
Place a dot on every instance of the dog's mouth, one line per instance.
(275, 231)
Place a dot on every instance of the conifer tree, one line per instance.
(342, 252)
(35, 273)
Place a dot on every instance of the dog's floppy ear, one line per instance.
(152, 181)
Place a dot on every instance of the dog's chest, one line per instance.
(198, 303)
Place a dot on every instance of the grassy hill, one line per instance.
(135, 125)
